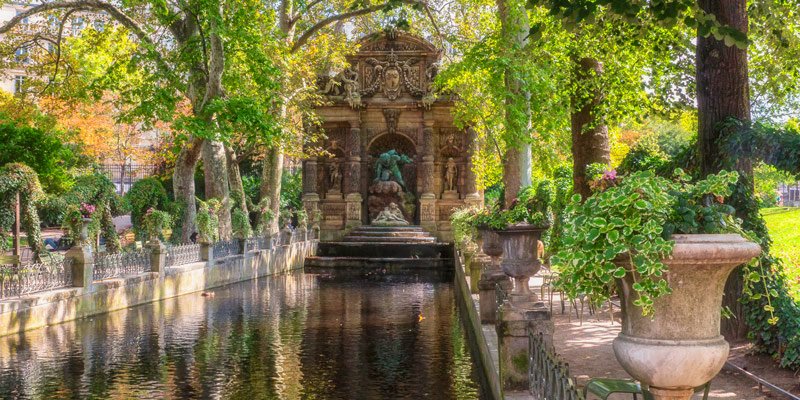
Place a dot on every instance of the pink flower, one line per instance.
(87, 210)
(610, 175)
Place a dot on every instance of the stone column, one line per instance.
(310, 195)
(352, 175)
(158, 257)
(512, 335)
(207, 252)
(425, 171)
(82, 266)
(471, 194)
(310, 176)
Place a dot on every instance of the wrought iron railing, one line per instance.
(549, 377)
(19, 280)
(183, 254)
(121, 264)
(226, 248)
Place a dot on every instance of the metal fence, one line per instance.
(125, 176)
(183, 254)
(122, 264)
(548, 376)
(225, 248)
(19, 280)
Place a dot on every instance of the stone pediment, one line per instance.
(389, 66)
(397, 42)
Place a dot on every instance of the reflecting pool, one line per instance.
(297, 336)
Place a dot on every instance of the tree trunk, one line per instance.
(271, 183)
(517, 166)
(722, 93)
(183, 186)
(216, 179)
(589, 131)
(235, 180)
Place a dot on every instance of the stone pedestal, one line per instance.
(206, 251)
(158, 257)
(487, 293)
(450, 195)
(353, 210)
(476, 267)
(82, 266)
(427, 211)
(512, 335)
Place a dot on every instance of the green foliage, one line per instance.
(143, 195)
(632, 221)
(155, 221)
(265, 216)
(20, 179)
(766, 179)
(464, 227)
(42, 150)
(770, 312)
(52, 209)
(562, 183)
(73, 223)
(241, 224)
(208, 220)
(292, 190)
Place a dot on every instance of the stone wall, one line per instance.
(57, 306)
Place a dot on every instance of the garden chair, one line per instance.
(604, 387)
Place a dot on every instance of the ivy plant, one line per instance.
(626, 228)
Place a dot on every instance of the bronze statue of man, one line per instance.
(387, 167)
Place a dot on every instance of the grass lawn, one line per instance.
(784, 228)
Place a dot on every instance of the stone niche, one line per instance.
(384, 100)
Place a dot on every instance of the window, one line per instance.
(19, 84)
(98, 25)
(77, 26)
(21, 55)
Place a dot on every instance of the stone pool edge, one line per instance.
(490, 377)
(58, 306)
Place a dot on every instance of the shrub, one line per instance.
(145, 194)
(208, 220)
(155, 221)
(44, 150)
(241, 224)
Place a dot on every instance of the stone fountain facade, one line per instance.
(385, 101)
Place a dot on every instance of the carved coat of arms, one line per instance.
(391, 76)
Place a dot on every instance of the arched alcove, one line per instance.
(403, 145)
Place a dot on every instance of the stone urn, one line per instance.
(84, 235)
(520, 258)
(680, 347)
(491, 246)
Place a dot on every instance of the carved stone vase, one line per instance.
(520, 258)
(680, 347)
(84, 236)
(491, 246)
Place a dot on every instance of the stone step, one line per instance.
(371, 228)
(411, 234)
(377, 262)
(389, 239)
(368, 249)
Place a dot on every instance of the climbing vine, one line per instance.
(771, 314)
(19, 178)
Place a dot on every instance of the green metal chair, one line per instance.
(604, 387)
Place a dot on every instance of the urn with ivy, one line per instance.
(525, 222)
(667, 246)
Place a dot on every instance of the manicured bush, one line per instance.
(145, 194)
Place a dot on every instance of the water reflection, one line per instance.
(287, 337)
